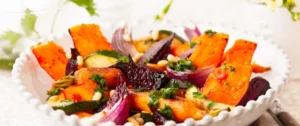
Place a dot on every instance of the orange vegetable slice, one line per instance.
(52, 58)
(227, 86)
(181, 109)
(178, 49)
(260, 69)
(241, 52)
(88, 38)
(209, 50)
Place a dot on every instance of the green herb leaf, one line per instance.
(100, 81)
(232, 69)
(7, 63)
(168, 93)
(166, 112)
(66, 100)
(89, 5)
(55, 91)
(153, 98)
(224, 66)
(123, 59)
(295, 16)
(289, 4)
(210, 32)
(147, 117)
(28, 22)
(198, 95)
(192, 44)
(211, 104)
(161, 16)
(11, 36)
(226, 83)
(181, 65)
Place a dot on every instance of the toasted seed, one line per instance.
(140, 120)
(79, 60)
(137, 115)
(162, 63)
(97, 96)
(132, 120)
(111, 92)
(172, 58)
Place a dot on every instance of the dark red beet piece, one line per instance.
(121, 90)
(157, 117)
(72, 63)
(141, 76)
(158, 52)
(258, 86)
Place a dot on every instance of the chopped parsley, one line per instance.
(232, 69)
(147, 60)
(224, 66)
(174, 83)
(211, 104)
(55, 91)
(166, 93)
(210, 32)
(192, 44)
(123, 59)
(100, 90)
(99, 80)
(166, 112)
(198, 95)
(181, 65)
(226, 83)
(153, 98)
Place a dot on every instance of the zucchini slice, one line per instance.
(74, 107)
(102, 58)
(166, 33)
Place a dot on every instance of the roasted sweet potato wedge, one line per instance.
(178, 49)
(181, 109)
(109, 74)
(241, 52)
(209, 50)
(88, 38)
(260, 69)
(52, 58)
(228, 84)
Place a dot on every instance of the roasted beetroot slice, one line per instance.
(141, 76)
(121, 90)
(258, 86)
(158, 52)
(72, 63)
(157, 117)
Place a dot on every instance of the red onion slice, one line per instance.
(119, 43)
(188, 52)
(191, 33)
(198, 77)
(119, 112)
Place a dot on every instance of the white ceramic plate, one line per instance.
(34, 82)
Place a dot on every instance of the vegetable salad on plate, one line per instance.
(154, 78)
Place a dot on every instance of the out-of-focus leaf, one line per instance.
(289, 4)
(11, 36)
(89, 5)
(295, 16)
(28, 22)
(161, 16)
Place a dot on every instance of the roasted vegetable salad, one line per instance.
(154, 78)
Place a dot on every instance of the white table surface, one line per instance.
(16, 112)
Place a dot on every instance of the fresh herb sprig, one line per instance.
(181, 65)
(99, 80)
(160, 17)
(166, 112)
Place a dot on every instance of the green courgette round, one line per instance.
(166, 33)
(102, 58)
(74, 107)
